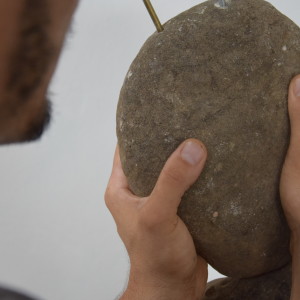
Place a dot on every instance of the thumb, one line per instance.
(179, 173)
(294, 113)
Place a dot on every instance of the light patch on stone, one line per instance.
(215, 214)
(121, 125)
(210, 183)
(231, 146)
(129, 74)
(284, 48)
(235, 209)
(192, 20)
(168, 138)
(218, 4)
(219, 167)
(202, 10)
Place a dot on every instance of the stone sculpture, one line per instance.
(221, 75)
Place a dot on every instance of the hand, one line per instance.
(164, 263)
(290, 183)
(290, 177)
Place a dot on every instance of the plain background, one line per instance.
(58, 240)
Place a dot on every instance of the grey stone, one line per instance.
(272, 286)
(220, 75)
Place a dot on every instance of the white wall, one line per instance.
(57, 238)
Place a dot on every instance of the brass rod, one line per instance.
(153, 15)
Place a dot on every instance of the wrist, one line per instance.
(153, 288)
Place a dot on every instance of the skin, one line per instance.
(162, 254)
(164, 264)
(32, 33)
(290, 183)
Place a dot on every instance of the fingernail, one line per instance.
(297, 87)
(192, 153)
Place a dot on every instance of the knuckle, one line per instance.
(109, 196)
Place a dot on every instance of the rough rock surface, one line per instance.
(219, 75)
(272, 286)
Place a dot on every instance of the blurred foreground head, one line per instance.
(32, 33)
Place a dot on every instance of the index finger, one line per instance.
(118, 196)
(118, 179)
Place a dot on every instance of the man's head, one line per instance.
(31, 37)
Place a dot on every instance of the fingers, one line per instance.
(290, 176)
(294, 112)
(118, 179)
(118, 197)
(179, 173)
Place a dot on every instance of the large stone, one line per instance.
(275, 285)
(221, 76)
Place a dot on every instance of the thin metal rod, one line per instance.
(153, 15)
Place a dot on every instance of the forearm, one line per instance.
(295, 249)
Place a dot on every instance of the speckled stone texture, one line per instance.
(273, 286)
(221, 76)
